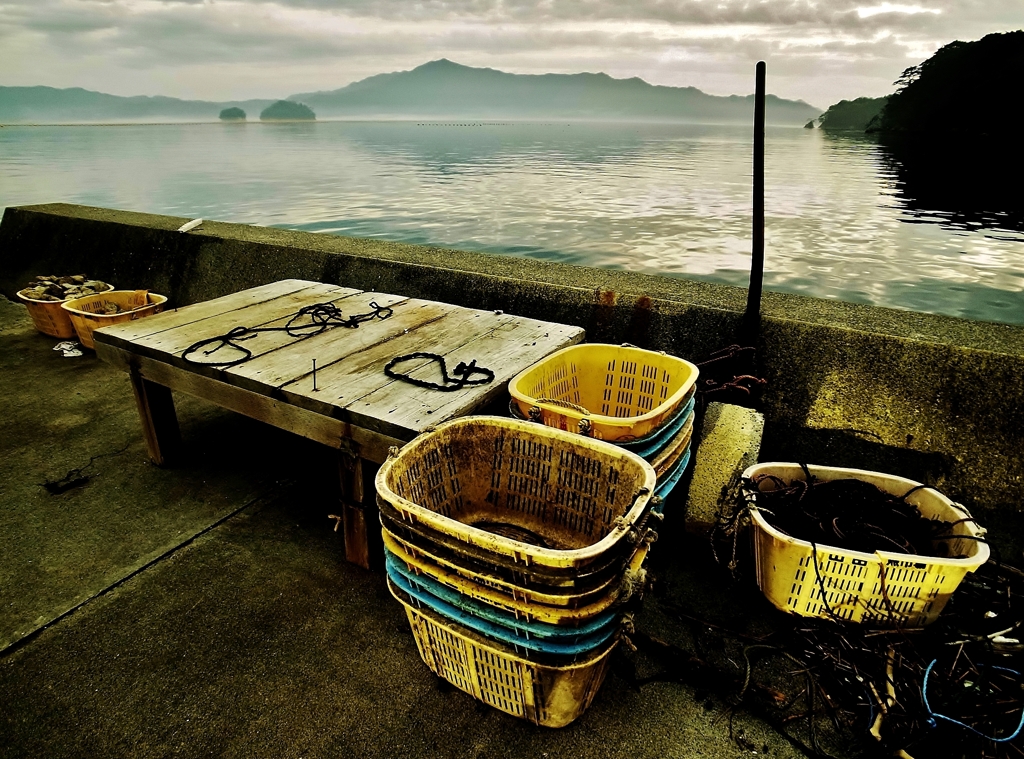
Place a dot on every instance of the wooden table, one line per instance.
(354, 408)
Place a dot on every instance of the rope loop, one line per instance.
(306, 322)
(459, 378)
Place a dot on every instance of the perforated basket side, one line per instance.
(547, 695)
(618, 392)
(436, 557)
(883, 588)
(531, 493)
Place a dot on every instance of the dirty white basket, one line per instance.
(882, 588)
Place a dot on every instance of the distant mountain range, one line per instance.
(47, 105)
(436, 90)
(443, 89)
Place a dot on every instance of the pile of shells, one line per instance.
(63, 288)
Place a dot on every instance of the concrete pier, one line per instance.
(208, 610)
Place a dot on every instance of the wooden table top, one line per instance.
(350, 380)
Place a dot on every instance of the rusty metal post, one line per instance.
(752, 316)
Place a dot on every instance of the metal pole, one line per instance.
(752, 316)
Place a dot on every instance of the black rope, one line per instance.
(306, 322)
(458, 379)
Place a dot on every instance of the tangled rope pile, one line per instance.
(306, 322)
(847, 513)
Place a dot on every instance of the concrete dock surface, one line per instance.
(207, 609)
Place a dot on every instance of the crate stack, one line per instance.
(638, 399)
(514, 548)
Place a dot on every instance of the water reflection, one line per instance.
(968, 186)
(845, 218)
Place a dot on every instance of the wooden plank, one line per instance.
(401, 409)
(350, 470)
(275, 312)
(344, 382)
(159, 422)
(127, 332)
(348, 340)
(323, 429)
(283, 359)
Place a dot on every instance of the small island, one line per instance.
(232, 114)
(287, 110)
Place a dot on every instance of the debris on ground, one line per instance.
(69, 349)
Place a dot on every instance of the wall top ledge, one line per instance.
(667, 292)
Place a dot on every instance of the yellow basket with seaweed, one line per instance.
(609, 392)
(521, 492)
(884, 588)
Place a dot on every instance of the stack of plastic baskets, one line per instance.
(513, 548)
(638, 399)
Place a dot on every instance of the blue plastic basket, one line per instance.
(650, 445)
(522, 628)
(498, 632)
(670, 480)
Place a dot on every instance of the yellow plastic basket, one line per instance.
(535, 576)
(48, 317)
(534, 495)
(609, 392)
(882, 588)
(87, 312)
(522, 602)
(548, 694)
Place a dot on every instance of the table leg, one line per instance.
(350, 470)
(159, 422)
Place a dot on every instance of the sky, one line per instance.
(820, 52)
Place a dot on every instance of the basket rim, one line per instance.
(508, 546)
(496, 647)
(110, 288)
(153, 299)
(979, 558)
(520, 624)
(536, 596)
(610, 421)
(609, 598)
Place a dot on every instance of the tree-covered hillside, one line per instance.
(966, 88)
(287, 110)
(852, 115)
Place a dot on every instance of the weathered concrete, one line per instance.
(256, 639)
(930, 397)
(729, 442)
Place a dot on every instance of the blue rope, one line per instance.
(934, 716)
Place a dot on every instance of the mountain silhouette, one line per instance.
(445, 89)
(440, 89)
(50, 105)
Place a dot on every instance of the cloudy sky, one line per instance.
(820, 51)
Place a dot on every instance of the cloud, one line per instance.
(222, 49)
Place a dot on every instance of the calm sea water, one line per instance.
(845, 218)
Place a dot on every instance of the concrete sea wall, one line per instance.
(932, 398)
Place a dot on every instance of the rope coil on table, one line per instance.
(318, 318)
(458, 379)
